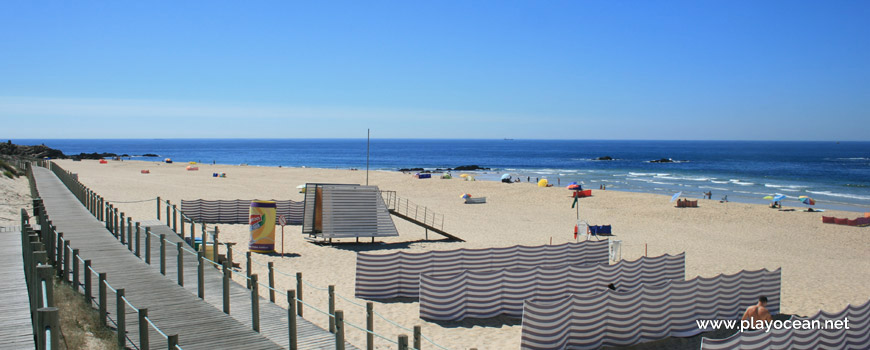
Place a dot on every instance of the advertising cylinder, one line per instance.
(262, 223)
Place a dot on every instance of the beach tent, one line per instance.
(346, 211)
(542, 183)
(676, 196)
(506, 176)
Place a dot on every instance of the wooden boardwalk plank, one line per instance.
(16, 329)
(172, 308)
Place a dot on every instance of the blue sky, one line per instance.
(758, 70)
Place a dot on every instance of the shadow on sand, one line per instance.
(494, 322)
(368, 246)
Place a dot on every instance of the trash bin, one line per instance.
(262, 226)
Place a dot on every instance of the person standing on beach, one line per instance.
(757, 312)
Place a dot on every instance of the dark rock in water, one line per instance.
(94, 155)
(40, 151)
(411, 169)
(469, 167)
(125, 155)
(604, 158)
(668, 160)
(150, 155)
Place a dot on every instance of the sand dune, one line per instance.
(824, 266)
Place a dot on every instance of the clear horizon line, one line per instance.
(421, 138)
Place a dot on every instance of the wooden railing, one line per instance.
(123, 229)
(66, 260)
(412, 210)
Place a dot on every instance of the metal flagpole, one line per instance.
(368, 147)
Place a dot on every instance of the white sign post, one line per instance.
(283, 221)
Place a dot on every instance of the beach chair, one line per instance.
(475, 200)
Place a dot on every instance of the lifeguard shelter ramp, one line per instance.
(346, 211)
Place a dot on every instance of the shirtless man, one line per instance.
(757, 312)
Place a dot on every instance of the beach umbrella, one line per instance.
(465, 196)
(779, 198)
(807, 200)
(768, 197)
(463, 175)
(676, 195)
(506, 176)
(573, 186)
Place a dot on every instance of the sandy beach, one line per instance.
(823, 266)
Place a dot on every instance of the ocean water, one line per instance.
(835, 174)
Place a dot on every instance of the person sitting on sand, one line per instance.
(757, 312)
(612, 286)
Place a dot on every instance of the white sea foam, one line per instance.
(793, 187)
(718, 182)
(841, 195)
(741, 183)
(714, 188)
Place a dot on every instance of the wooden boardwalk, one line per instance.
(172, 308)
(16, 329)
(273, 318)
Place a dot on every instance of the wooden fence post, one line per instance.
(174, 219)
(370, 325)
(48, 318)
(299, 293)
(247, 265)
(66, 261)
(59, 254)
(121, 234)
(158, 207)
(255, 303)
(172, 341)
(200, 276)
(271, 266)
(403, 342)
(168, 223)
(148, 245)
(45, 273)
(75, 269)
(226, 287)
(121, 318)
(138, 239)
(339, 330)
(163, 254)
(180, 263)
(89, 292)
(130, 233)
(144, 343)
(102, 297)
(331, 291)
(291, 319)
(417, 337)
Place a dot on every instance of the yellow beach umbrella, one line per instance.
(463, 175)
